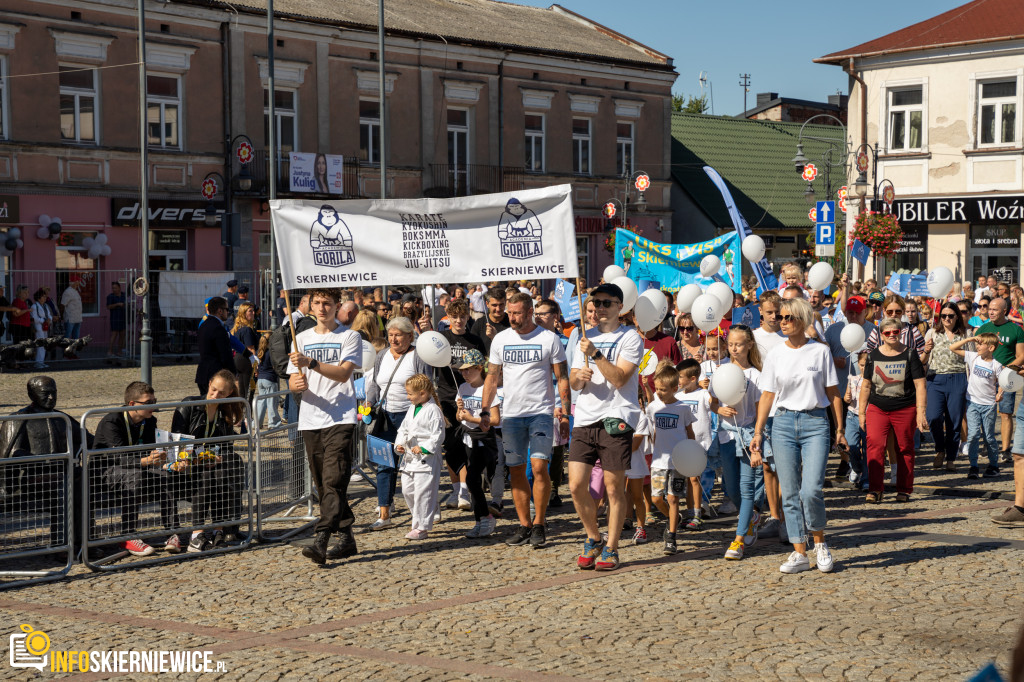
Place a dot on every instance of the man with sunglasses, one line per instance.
(1010, 353)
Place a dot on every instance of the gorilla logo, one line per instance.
(331, 239)
(519, 231)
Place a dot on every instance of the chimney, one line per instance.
(839, 100)
(765, 97)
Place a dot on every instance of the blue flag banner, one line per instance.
(894, 284)
(860, 251)
(360, 386)
(380, 451)
(918, 286)
(766, 279)
(909, 285)
(674, 266)
(749, 315)
(563, 296)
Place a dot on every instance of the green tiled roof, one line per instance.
(756, 160)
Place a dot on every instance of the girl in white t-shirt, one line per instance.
(419, 443)
(743, 481)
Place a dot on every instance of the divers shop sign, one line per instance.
(513, 235)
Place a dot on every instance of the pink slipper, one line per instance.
(416, 535)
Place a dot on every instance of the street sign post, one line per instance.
(825, 229)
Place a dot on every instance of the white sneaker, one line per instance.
(487, 526)
(465, 504)
(823, 558)
(474, 532)
(750, 537)
(796, 563)
(437, 516)
(452, 501)
(381, 524)
(727, 507)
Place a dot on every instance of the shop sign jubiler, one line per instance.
(514, 235)
(976, 209)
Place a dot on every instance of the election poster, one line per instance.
(317, 173)
(529, 234)
(673, 266)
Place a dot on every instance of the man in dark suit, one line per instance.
(214, 344)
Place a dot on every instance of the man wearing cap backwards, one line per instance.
(523, 356)
(604, 371)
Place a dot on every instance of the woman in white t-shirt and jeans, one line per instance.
(798, 382)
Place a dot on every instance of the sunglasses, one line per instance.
(686, 329)
(949, 316)
(894, 311)
(787, 318)
(603, 302)
(145, 402)
(891, 333)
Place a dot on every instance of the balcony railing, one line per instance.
(464, 180)
(259, 168)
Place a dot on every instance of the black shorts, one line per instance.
(592, 443)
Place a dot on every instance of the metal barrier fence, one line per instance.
(36, 500)
(283, 483)
(135, 492)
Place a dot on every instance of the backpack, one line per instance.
(280, 344)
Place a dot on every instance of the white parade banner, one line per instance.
(512, 235)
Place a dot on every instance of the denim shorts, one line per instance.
(522, 435)
(1006, 403)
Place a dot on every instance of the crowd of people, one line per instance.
(525, 391)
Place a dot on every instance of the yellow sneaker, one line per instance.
(735, 551)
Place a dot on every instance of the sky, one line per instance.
(775, 41)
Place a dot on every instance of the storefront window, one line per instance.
(74, 264)
(995, 250)
(910, 257)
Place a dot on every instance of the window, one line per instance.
(77, 104)
(997, 113)
(163, 111)
(458, 151)
(369, 131)
(581, 146)
(624, 148)
(535, 143)
(4, 132)
(73, 263)
(905, 117)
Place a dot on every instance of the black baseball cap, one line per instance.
(609, 289)
(243, 289)
(232, 282)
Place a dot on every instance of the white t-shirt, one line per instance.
(699, 404)
(637, 463)
(767, 341)
(798, 376)
(397, 400)
(982, 378)
(746, 409)
(599, 399)
(670, 422)
(472, 401)
(708, 367)
(327, 402)
(72, 303)
(526, 362)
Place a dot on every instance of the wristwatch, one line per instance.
(314, 363)
(597, 355)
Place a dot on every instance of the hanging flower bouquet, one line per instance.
(609, 235)
(880, 231)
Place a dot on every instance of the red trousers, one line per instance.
(902, 424)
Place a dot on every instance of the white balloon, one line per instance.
(45, 220)
(1010, 381)
(14, 232)
(88, 242)
(940, 282)
(753, 248)
(724, 293)
(105, 250)
(729, 384)
(705, 312)
(56, 219)
(852, 337)
(43, 233)
(21, 244)
(629, 293)
(819, 277)
(686, 296)
(94, 252)
(710, 265)
(689, 458)
(434, 349)
(650, 309)
(369, 358)
(101, 238)
(613, 272)
(648, 363)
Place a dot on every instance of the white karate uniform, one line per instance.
(421, 474)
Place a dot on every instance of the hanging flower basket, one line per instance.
(880, 231)
(609, 237)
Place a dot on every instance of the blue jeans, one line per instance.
(707, 477)
(72, 330)
(981, 423)
(387, 477)
(742, 482)
(947, 400)
(855, 441)
(1018, 431)
(800, 442)
(531, 435)
(267, 406)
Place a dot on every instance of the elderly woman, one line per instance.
(892, 398)
(385, 386)
(798, 382)
(947, 384)
(41, 318)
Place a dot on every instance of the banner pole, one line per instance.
(583, 318)
(291, 322)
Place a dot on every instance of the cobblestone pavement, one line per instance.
(925, 590)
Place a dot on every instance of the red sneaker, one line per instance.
(591, 550)
(137, 548)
